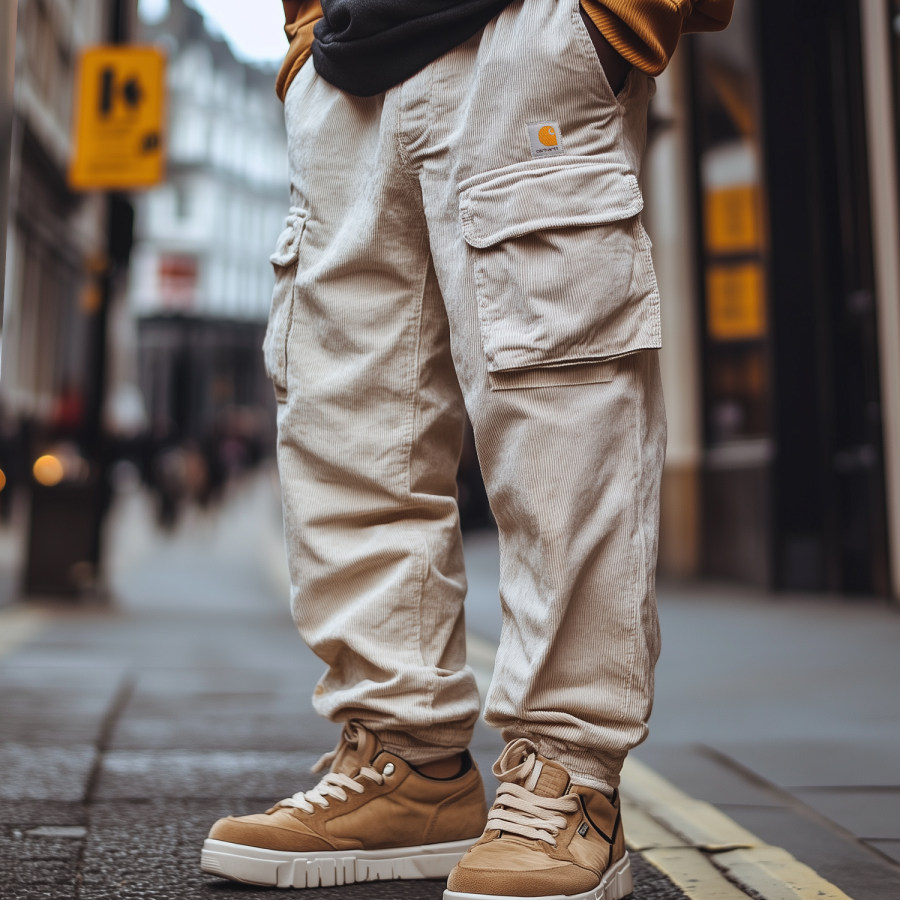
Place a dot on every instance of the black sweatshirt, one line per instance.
(366, 46)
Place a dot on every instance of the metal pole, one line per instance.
(7, 72)
(118, 216)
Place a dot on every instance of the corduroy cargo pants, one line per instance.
(471, 240)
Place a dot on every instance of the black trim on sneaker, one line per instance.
(466, 764)
(609, 840)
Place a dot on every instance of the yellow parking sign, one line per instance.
(119, 119)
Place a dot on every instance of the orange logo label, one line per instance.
(544, 138)
(547, 136)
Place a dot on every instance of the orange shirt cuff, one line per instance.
(300, 34)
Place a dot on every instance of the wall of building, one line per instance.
(57, 239)
(204, 238)
(781, 358)
(200, 269)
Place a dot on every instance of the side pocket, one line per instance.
(561, 263)
(284, 261)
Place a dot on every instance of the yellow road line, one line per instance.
(706, 848)
(18, 626)
(776, 875)
(683, 864)
(642, 831)
(699, 823)
(694, 874)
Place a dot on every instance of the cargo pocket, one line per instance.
(562, 266)
(284, 261)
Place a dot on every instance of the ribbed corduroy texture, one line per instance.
(429, 258)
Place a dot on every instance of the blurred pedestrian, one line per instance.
(465, 234)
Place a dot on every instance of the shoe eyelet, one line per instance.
(389, 769)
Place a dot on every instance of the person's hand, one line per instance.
(291, 8)
(614, 65)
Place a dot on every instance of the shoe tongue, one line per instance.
(358, 747)
(521, 763)
(553, 780)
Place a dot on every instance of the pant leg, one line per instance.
(530, 168)
(370, 421)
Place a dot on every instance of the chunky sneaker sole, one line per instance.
(616, 885)
(277, 868)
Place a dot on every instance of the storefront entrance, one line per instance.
(793, 483)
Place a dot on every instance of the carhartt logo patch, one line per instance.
(583, 829)
(544, 138)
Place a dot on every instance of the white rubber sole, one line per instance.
(276, 868)
(616, 885)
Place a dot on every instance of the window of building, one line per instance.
(182, 202)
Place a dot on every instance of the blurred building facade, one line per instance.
(62, 293)
(57, 239)
(200, 281)
(773, 202)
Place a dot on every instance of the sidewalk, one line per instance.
(125, 732)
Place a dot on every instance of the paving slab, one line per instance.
(24, 815)
(221, 721)
(869, 814)
(55, 706)
(205, 774)
(40, 849)
(891, 849)
(706, 777)
(45, 773)
(820, 763)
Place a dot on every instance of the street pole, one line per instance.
(7, 72)
(119, 224)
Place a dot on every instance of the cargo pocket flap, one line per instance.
(287, 247)
(525, 198)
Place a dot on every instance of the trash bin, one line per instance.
(64, 538)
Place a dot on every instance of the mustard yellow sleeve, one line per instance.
(646, 32)
(300, 34)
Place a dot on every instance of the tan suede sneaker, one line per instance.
(371, 818)
(545, 839)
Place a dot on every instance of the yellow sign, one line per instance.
(119, 118)
(735, 302)
(732, 219)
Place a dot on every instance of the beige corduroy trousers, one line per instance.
(471, 240)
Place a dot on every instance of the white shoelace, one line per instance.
(334, 785)
(518, 810)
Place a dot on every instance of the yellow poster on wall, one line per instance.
(119, 119)
(732, 219)
(735, 297)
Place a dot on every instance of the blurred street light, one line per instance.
(48, 470)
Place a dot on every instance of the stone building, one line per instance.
(200, 280)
